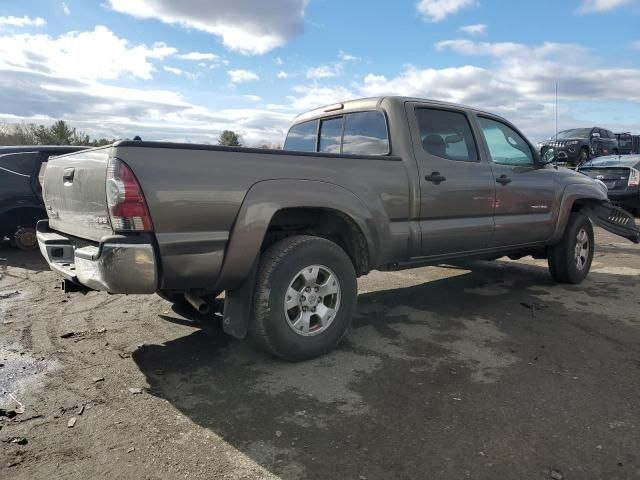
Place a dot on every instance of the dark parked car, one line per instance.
(625, 143)
(621, 175)
(21, 203)
(578, 145)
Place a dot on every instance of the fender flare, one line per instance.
(265, 198)
(571, 194)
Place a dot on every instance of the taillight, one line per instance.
(127, 206)
(634, 178)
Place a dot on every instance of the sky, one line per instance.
(184, 70)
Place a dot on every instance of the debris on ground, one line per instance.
(19, 440)
(278, 433)
(131, 449)
(72, 422)
(135, 391)
(533, 307)
(4, 296)
(68, 335)
(97, 379)
(556, 475)
(80, 410)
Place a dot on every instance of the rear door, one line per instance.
(457, 189)
(75, 193)
(525, 191)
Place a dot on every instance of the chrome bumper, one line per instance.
(115, 265)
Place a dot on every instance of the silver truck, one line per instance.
(379, 183)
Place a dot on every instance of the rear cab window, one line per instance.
(355, 133)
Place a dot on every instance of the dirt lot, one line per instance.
(487, 372)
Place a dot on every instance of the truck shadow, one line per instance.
(29, 260)
(461, 361)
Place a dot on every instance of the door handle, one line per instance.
(503, 179)
(67, 175)
(435, 177)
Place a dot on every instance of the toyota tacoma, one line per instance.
(373, 184)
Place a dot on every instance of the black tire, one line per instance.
(281, 265)
(25, 238)
(564, 259)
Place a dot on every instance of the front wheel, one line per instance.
(305, 297)
(570, 260)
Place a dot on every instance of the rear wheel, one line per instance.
(570, 260)
(25, 238)
(305, 297)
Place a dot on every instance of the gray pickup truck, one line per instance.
(380, 183)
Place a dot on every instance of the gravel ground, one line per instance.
(485, 372)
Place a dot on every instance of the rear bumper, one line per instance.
(117, 264)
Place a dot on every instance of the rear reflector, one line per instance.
(127, 206)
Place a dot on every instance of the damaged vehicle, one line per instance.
(621, 175)
(383, 183)
(21, 203)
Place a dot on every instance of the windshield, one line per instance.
(574, 133)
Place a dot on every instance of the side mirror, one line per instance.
(549, 155)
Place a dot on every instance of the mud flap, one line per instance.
(615, 220)
(238, 306)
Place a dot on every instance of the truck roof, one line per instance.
(372, 103)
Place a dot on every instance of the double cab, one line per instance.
(373, 184)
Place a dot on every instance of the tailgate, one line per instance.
(75, 193)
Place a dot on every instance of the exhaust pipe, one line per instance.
(197, 302)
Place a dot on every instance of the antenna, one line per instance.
(555, 163)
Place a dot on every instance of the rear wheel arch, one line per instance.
(326, 223)
(265, 199)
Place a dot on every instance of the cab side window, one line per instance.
(506, 147)
(446, 134)
(302, 137)
(331, 135)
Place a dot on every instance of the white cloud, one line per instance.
(598, 6)
(324, 71)
(438, 10)
(278, 61)
(199, 56)
(282, 75)
(65, 9)
(345, 57)
(252, 98)
(25, 21)
(475, 29)
(174, 70)
(74, 55)
(251, 27)
(241, 76)
(519, 83)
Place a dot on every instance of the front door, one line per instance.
(457, 188)
(525, 191)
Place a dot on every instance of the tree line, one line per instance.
(61, 133)
(58, 133)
